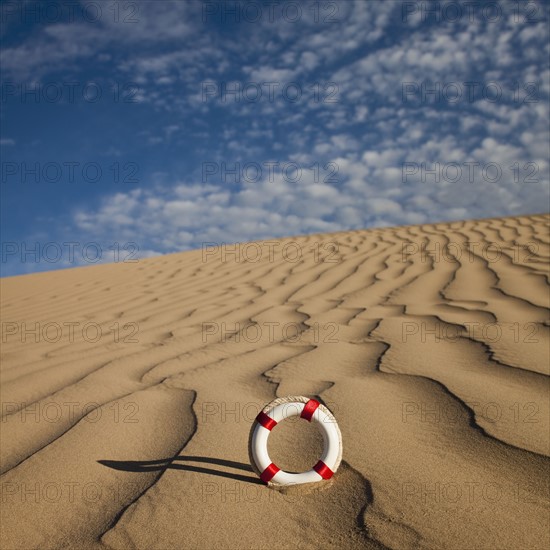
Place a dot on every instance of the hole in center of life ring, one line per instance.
(295, 445)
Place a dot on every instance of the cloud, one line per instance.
(352, 151)
(270, 74)
(370, 191)
(60, 44)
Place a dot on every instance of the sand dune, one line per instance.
(128, 391)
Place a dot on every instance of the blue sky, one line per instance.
(344, 115)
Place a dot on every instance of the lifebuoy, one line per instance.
(275, 412)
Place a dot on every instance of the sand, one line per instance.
(128, 391)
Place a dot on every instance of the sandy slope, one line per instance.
(429, 343)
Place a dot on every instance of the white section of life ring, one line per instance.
(287, 407)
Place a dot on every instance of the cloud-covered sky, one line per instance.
(154, 127)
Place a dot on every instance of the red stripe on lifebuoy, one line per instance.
(323, 470)
(266, 421)
(268, 473)
(309, 408)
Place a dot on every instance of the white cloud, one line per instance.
(62, 45)
(368, 133)
(270, 74)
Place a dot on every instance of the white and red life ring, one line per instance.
(275, 412)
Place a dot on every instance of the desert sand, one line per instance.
(128, 391)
